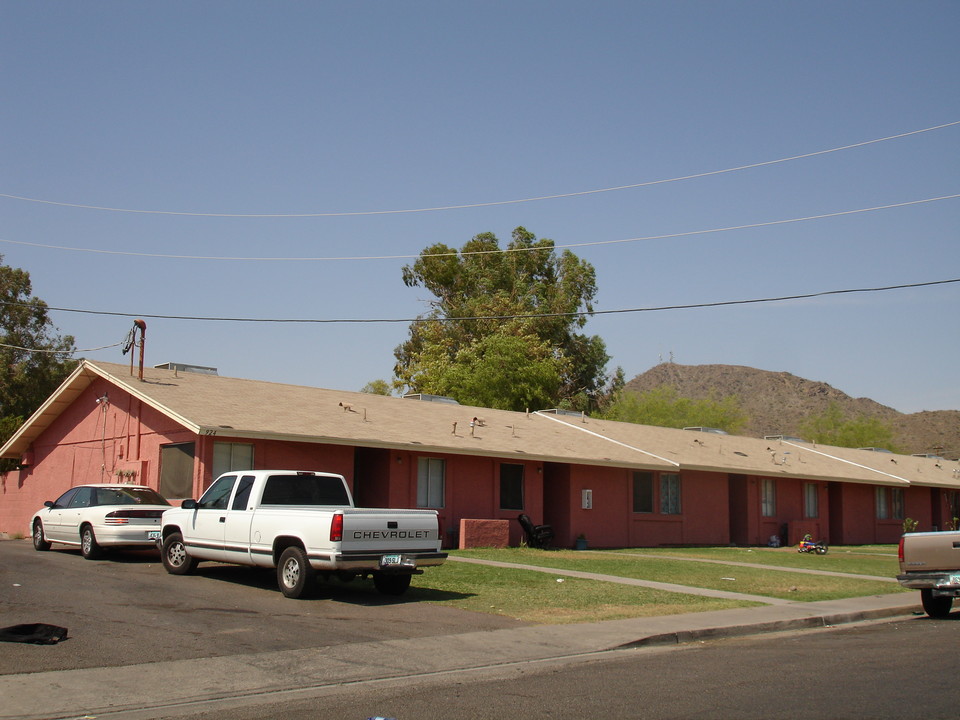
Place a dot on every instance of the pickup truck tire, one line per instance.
(388, 584)
(294, 575)
(176, 561)
(935, 607)
(38, 542)
(89, 547)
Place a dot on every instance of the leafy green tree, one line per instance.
(503, 326)
(833, 427)
(377, 387)
(664, 407)
(34, 359)
(507, 372)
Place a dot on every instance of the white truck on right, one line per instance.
(930, 563)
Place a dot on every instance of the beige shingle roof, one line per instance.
(234, 407)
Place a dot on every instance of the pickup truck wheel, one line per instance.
(89, 547)
(391, 584)
(175, 557)
(294, 575)
(936, 607)
(38, 542)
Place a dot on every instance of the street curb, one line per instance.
(824, 621)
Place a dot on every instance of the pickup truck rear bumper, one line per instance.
(944, 583)
(372, 561)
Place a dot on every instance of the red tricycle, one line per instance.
(807, 545)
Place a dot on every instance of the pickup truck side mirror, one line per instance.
(189, 504)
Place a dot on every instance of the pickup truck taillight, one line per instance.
(900, 550)
(336, 527)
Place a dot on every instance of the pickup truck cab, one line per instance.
(303, 524)
(930, 563)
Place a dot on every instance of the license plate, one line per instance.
(388, 560)
(153, 534)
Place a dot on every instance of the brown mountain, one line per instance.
(778, 402)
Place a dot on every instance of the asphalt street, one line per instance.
(145, 644)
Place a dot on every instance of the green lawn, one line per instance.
(539, 597)
(543, 598)
(878, 560)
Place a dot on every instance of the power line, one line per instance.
(467, 206)
(594, 243)
(55, 352)
(532, 316)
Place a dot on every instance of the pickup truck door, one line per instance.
(236, 527)
(208, 529)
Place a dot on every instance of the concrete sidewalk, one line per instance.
(144, 691)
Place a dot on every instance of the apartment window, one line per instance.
(669, 494)
(811, 500)
(768, 497)
(511, 486)
(430, 482)
(890, 503)
(883, 507)
(230, 456)
(643, 492)
(896, 503)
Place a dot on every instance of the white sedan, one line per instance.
(97, 516)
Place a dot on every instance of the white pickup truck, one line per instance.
(930, 563)
(303, 524)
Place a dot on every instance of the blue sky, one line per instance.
(342, 121)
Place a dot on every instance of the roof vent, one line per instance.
(716, 431)
(185, 367)
(558, 411)
(430, 398)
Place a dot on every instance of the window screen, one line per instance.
(643, 492)
(511, 486)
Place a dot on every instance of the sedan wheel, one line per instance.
(89, 547)
(38, 542)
